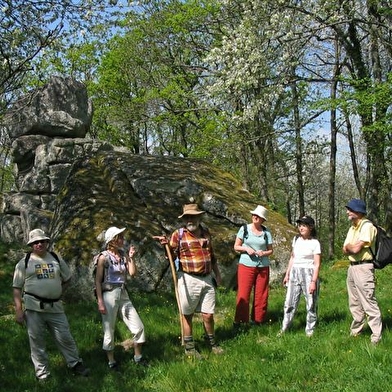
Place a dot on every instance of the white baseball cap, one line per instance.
(111, 232)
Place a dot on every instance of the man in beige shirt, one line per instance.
(38, 284)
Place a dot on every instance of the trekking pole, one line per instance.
(174, 276)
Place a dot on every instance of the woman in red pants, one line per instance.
(254, 242)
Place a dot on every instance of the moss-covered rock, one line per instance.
(145, 194)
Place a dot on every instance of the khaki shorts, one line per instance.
(197, 293)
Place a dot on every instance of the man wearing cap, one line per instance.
(192, 246)
(361, 281)
(39, 279)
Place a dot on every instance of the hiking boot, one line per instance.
(142, 362)
(45, 378)
(114, 367)
(216, 349)
(193, 353)
(80, 370)
(240, 328)
(375, 342)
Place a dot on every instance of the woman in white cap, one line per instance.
(112, 296)
(302, 275)
(254, 242)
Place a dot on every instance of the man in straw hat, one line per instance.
(196, 262)
(41, 276)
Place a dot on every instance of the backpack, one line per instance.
(245, 226)
(28, 254)
(382, 255)
(105, 272)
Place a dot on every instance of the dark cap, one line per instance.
(357, 205)
(307, 220)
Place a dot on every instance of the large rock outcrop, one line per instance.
(146, 194)
(74, 188)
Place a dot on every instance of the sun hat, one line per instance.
(37, 235)
(111, 232)
(307, 220)
(357, 205)
(260, 211)
(191, 209)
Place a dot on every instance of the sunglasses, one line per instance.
(39, 242)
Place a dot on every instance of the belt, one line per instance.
(43, 300)
(361, 262)
(197, 274)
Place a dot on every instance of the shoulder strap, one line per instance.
(245, 226)
(54, 254)
(180, 234)
(27, 258)
(106, 254)
(28, 254)
(265, 234)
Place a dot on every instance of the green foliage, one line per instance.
(255, 360)
(34, 30)
(148, 86)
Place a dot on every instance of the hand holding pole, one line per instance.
(163, 241)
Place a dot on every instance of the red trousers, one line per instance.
(248, 278)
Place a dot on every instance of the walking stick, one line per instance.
(174, 276)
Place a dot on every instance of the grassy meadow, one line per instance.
(255, 360)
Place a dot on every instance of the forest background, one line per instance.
(292, 97)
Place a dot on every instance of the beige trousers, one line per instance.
(362, 301)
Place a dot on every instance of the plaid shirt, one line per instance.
(195, 254)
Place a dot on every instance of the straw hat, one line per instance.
(191, 209)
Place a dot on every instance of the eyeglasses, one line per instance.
(39, 242)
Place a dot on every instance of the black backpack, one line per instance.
(382, 255)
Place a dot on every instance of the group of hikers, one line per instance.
(40, 278)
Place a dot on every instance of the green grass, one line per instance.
(256, 360)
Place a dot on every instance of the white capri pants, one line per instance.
(117, 302)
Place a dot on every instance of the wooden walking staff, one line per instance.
(174, 276)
